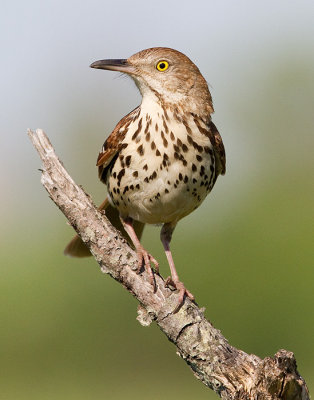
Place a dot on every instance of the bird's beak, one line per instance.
(120, 65)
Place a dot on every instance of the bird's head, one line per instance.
(166, 74)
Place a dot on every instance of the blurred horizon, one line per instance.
(246, 253)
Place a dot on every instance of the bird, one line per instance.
(163, 158)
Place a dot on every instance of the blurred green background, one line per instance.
(66, 330)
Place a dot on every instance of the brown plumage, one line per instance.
(163, 158)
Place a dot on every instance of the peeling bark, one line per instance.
(230, 372)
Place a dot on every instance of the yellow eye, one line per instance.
(162, 66)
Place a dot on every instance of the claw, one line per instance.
(183, 292)
(143, 255)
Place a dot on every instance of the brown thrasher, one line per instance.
(163, 158)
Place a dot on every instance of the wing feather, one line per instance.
(114, 144)
(212, 133)
(219, 148)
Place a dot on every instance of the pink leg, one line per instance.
(142, 254)
(165, 236)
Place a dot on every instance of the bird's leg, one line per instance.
(165, 236)
(142, 254)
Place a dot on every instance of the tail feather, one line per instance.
(77, 248)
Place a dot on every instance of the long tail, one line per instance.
(77, 248)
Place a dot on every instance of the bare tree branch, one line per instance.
(230, 372)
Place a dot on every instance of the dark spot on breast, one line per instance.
(114, 190)
(153, 145)
(185, 148)
(158, 153)
(176, 155)
(132, 187)
(120, 174)
(186, 179)
(180, 176)
(140, 150)
(128, 161)
(197, 147)
(135, 174)
(194, 167)
(118, 191)
(166, 191)
(176, 148)
(202, 171)
(156, 127)
(137, 186)
(146, 179)
(153, 175)
(194, 180)
(165, 141)
(185, 123)
(145, 168)
(125, 189)
(114, 175)
(199, 158)
(165, 125)
(139, 127)
(147, 137)
(172, 136)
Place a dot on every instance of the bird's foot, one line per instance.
(143, 255)
(182, 291)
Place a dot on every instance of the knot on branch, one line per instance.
(279, 377)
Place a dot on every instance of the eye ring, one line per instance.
(162, 65)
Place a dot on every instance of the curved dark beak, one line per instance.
(120, 65)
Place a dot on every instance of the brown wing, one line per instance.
(212, 133)
(114, 144)
(219, 148)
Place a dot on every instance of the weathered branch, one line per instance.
(230, 372)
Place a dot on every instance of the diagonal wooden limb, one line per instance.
(230, 372)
